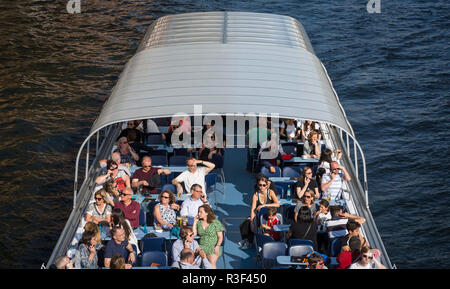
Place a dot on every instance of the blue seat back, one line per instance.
(150, 257)
(265, 171)
(280, 190)
(290, 148)
(294, 242)
(178, 160)
(300, 250)
(210, 180)
(159, 160)
(270, 251)
(335, 247)
(153, 244)
(142, 218)
(292, 172)
(169, 187)
(261, 239)
(154, 139)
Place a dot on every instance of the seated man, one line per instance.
(190, 206)
(367, 260)
(117, 246)
(353, 230)
(193, 175)
(332, 183)
(142, 176)
(130, 208)
(186, 241)
(127, 155)
(187, 260)
(337, 225)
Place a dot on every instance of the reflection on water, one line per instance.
(58, 68)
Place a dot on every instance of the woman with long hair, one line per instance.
(118, 220)
(308, 200)
(305, 228)
(210, 231)
(306, 182)
(112, 193)
(327, 157)
(263, 197)
(93, 227)
(86, 254)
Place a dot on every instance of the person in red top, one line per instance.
(141, 176)
(346, 258)
(130, 208)
(269, 222)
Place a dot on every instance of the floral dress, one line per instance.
(168, 215)
(208, 237)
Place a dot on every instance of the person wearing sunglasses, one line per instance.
(186, 241)
(193, 175)
(263, 197)
(367, 260)
(114, 173)
(332, 183)
(315, 261)
(165, 211)
(127, 154)
(130, 208)
(99, 211)
(305, 183)
(141, 177)
(308, 199)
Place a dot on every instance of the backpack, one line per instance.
(246, 231)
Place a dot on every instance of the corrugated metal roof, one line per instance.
(228, 62)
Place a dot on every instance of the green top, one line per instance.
(208, 237)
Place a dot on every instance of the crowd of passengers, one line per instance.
(114, 208)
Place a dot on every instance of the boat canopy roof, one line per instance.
(229, 63)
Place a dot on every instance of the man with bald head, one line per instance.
(332, 182)
(187, 257)
(130, 208)
(142, 176)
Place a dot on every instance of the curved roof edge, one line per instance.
(227, 62)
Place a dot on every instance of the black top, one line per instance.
(300, 231)
(311, 186)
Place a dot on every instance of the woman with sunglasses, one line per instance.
(100, 211)
(308, 200)
(118, 220)
(186, 241)
(305, 183)
(263, 197)
(112, 192)
(113, 173)
(165, 211)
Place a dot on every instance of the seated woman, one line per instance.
(100, 211)
(305, 183)
(118, 220)
(112, 193)
(305, 228)
(86, 254)
(93, 227)
(327, 157)
(308, 200)
(210, 151)
(210, 231)
(270, 220)
(113, 172)
(165, 211)
(270, 153)
(311, 147)
(289, 130)
(308, 127)
(263, 197)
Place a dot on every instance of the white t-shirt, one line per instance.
(358, 265)
(152, 127)
(335, 188)
(189, 179)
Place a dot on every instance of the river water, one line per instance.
(390, 70)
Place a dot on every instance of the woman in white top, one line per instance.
(289, 130)
(308, 127)
(118, 220)
(99, 211)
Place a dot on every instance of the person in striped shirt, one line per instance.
(332, 182)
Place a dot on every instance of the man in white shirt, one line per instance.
(367, 261)
(332, 183)
(193, 175)
(190, 206)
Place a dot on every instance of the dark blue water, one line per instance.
(391, 71)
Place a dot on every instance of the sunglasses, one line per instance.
(115, 168)
(199, 191)
(308, 197)
(164, 197)
(99, 199)
(262, 185)
(146, 166)
(367, 256)
(123, 194)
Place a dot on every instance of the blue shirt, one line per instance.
(112, 248)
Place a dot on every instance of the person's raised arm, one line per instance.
(209, 166)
